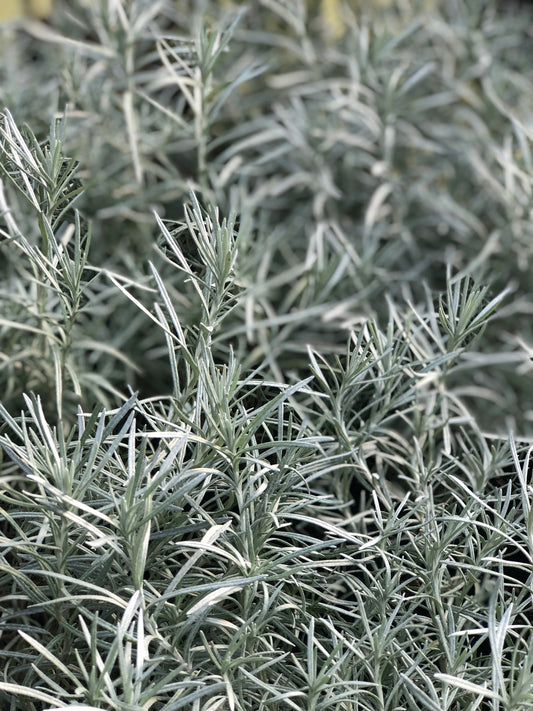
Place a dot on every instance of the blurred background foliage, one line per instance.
(364, 146)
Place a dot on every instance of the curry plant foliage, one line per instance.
(265, 341)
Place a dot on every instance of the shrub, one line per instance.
(264, 367)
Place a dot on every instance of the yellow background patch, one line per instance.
(17, 9)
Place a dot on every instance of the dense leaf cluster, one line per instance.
(265, 358)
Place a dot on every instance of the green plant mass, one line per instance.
(265, 356)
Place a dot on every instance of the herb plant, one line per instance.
(265, 357)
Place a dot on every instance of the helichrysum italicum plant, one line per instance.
(47, 287)
(264, 341)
